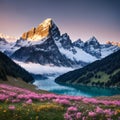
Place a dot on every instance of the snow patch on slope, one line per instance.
(8, 48)
(79, 55)
(83, 56)
(105, 51)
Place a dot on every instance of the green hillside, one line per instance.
(10, 68)
(104, 73)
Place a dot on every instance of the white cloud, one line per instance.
(43, 69)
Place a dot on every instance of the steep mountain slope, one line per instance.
(105, 72)
(9, 68)
(45, 53)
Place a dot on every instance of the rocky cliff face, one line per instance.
(93, 47)
(45, 53)
(45, 29)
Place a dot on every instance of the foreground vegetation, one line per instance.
(18, 104)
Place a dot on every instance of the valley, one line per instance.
(45, 75)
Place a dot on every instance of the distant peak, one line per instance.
(79, 41)
(8, 38)
(92, 39)
(113, 43)
(65, 35)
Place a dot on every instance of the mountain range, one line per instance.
(45, 45)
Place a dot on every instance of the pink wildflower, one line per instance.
(67, 116)
(99, 110)
(72, 108)
(84, 118)
(11, 107)
(109, 112)
(29, 101)
(15, 101)
(78, 115)
(92, 114)
(62, 101)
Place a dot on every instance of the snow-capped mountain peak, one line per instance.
(65, 36)
(47, 23)
(92, 40)
(46, 29)
(92, 46)
(8, 38)
(92, 43)
(3, 41)
(78, 43)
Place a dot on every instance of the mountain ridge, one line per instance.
(60, 50)
(102, 73)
